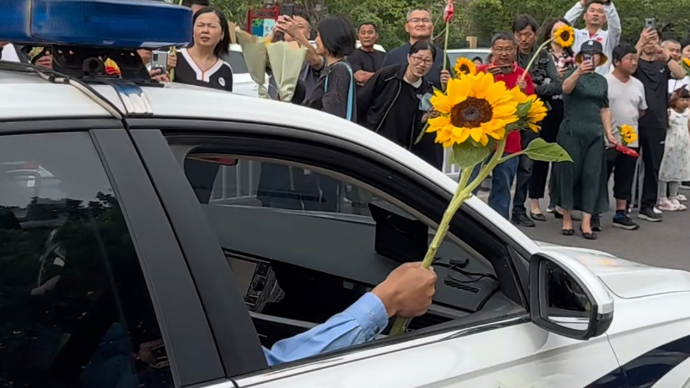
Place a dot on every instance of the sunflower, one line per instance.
(475, 107)
(537, 113)
(626, 130)
(464, 66)
(628, 134)
(564, 36)
(631, 138)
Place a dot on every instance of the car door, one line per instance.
(491, 348)
(94, 290)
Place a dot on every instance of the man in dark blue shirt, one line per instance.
(420, 27)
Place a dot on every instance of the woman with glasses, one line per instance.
(395, 103)
(201, 64)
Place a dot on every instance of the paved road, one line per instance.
(664, 244)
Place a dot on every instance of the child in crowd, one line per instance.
(675, 166)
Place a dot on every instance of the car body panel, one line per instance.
(534, 359)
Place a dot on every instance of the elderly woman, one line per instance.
(393, 103)
(581, 185)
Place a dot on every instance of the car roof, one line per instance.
(36, 98)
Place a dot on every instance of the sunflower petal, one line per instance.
(438, 123)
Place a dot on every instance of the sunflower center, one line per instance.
(471, 113)
(565, 35)
(464, 69)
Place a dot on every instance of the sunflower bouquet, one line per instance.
(564, 37)
(628, 135)
(476, 114)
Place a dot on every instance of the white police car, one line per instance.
(185, 227)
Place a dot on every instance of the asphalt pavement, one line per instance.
(662, 244)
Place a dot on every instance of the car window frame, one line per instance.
(193, 359)
(205, 128)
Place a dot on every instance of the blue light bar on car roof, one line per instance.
(125, 24)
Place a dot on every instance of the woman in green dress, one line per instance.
(581, 185)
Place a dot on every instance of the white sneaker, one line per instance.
(679, 205)
(681, 198)
(667, 206)
(657, 211)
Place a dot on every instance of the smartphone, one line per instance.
(288, 10)
(159, 60)
(649, 23)
(587, 57)
(506, 69)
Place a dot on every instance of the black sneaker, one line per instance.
(621, 220)
(649, 215)
(522, 220)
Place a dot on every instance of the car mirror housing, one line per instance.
(566, 298)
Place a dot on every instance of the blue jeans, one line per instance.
(501, 181)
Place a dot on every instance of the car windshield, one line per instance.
(236, 61)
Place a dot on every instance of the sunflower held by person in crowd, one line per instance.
(464, 66)
(564, 37)
(476, 114)
(628, 135)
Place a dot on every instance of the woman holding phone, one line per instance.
(582, 184)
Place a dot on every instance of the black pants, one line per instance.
(623, 168)
(524, 175)
(652, 146)
(549, 132)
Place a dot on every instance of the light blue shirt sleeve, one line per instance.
(359, 323)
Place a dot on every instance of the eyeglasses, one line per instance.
(504, 49)
(210, 26)
(419, 20)
(417, 59)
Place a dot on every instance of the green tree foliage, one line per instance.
(489, 16)
(480, 18)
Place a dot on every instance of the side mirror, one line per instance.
(566, 298)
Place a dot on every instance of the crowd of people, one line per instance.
(599, 92)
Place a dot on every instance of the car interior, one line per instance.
(303, 253)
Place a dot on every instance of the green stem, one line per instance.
(445, 49)
(534, 57)
(461, 194)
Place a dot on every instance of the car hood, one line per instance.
(624, 278)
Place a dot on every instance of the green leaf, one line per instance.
(469, 154)
(523, 109)
(516, 125)
(539, 149)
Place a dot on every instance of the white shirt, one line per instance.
(626, 100)
(9, 53)
(608, 39)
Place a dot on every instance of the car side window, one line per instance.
(305, 245)
(75, 308)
